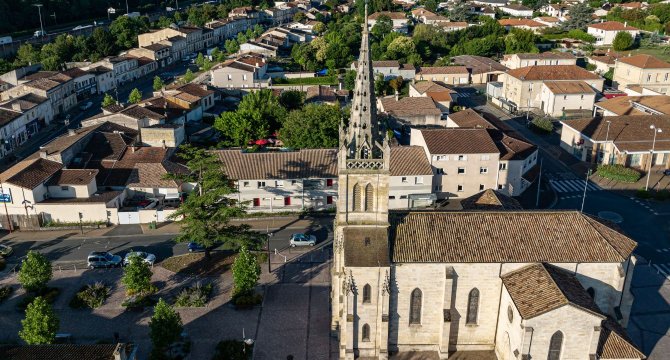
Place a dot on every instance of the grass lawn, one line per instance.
(196, 264)
(656, 51)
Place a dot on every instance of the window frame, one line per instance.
(415, 306)
(472, 313)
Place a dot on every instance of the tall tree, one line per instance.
(314, 126)
(382, 27)
(135, 96)
(246, 272)
(158, 83)
(580, 16)
(520, 41)
(188, 76)
(622, 41)
(165, 326)
(291, 99)
(137, 277)
(35, 271)
(396, 83)
(232, 46)
(125, 29)
(26, 55)
(206, 213)
(108, 100)
(41, 323)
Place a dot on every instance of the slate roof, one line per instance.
(490, 200)
(539, 288)
(630, 133)
(552, 72)
(301, 164)
(73, 177)
(459, 141)
(645, 62)
(623, 105)
(58, 352)
(510, 236)
(410, 161)
(31, 172)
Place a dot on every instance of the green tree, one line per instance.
(188, 76)
(108, 100)
(232, 46)
(396, 83)
(304, 55)
(350, 80)
(216, 54)
(520, 41)
(380, 85)
(314, 126)
(164, 22)
(35, 271)
(200, 60)
(319, 27)
(460, 11)
(580, 16)
(401, 49)
(383, 26)
(137, 277)
(257, 115)
(299, 17)
(165, 326)
(207, 64)
(158, 83)
(26, 55)
(291, 99)
(206, 213)
(135, 96)
(246, 272)
(41, 324)
(101, 42)
(622, 41)
(125, 30)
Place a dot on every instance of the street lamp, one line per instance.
(651, 153)
(607, 135)
(39, 10)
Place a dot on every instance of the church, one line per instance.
(486, 284)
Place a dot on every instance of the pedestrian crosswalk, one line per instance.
(663, 250)
(575, 185)
(466, 94)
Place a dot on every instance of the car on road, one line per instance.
(145, 256)
(103, 259)
(86, 106)
(300, 239)
(195, 247)
(5, 250)
(666, 172)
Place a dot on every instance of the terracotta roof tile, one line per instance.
(552, 72)
(366, 247)
(431, 70)
(459, 141)
(302, 164)
(612, 26)
(468, 118)
(510, 236)
(73, 177)
(31, 173)
(630, 133)
(391, 15)
(645, 62)
(615, 344)
(569, 87)
(409, 106)
(478, 64)
(520, 22)
(409, 160)
(546, 56)
(490, 200)
(624, 105)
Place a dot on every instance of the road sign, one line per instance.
(5, 198)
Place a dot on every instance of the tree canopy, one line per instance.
(246, 272)
(40, 324)
(623, 41)
(135, 96)
(580, 16)
(137, 277)
(258, 114)
(35, 271)
(314, 126)
(165, 326)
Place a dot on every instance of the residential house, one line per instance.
(247, 71)
(517, 10)
(21, 118)
(246, 12)
(468, 118)
(482, 69)
(321, 94)
(481, 10)
(567, 98)
(399, 20)
(124, 68)
(603, 62)
(633, 105)
(281, 13)
(450, 75)
(57, 87)
(411, 178)
(390, 69)
(490, 3)
(427, 17)
(441, 95)
(522, 87)
(262, 48)
(550, 21)
(467, 161)
(135, 116)
(644, 71)
(555, 10)
(412, 111)
(605, 32)
(515, 61)
(636, 5)
(449, 26)
(104, 78)
(190, 40)
(624, 140)
(525, 24)
(85, 84)
(158, 52)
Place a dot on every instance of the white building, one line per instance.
(560, 98)
(605, 32)
(517, 10)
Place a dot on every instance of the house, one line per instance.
(158, 52)
(550, 21)
(390, 69)
(605, 32)
(398, 19)
(633, 5)
(555, 10)
(515, 61)
(281, 13)
(644, 71)
(413, 111)
(124, 68)
(262, 48)
(57, 87)
(517, 10)
(522, 87)
(70, 351)
(427, 17)
(21, 118)
(481, 69)
(562, 98)
(449, 26)
(467, 161)
(190, 40)
(490, 3)
(633, 105)
(245, 12)
(450, 75)
(246, 71)
(525, 24)
(442, 96)
(481, 10)
(104, 78)
(85, 84)
(411, 178)
(625, 140)
(603, 62)
(321, 94)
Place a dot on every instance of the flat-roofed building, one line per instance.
(567, 98)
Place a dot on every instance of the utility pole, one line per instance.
(586, 183)
(39, 10)
(651, 153)
(127, 8)
(54, 16)
(539, 184)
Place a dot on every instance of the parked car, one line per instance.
(146, 257)
(195, 247)
(302, 240)
(666, 172)
(5, 250)
(86, 106)
(103, 259)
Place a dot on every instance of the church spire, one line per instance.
(362, 138)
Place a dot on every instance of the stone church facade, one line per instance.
(464, 285)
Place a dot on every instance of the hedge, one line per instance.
(618, 173)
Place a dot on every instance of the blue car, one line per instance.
(195, 247)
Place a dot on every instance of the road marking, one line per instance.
(575, 185)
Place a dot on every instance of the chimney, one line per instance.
(43, 154)
(396, 96)
(16, 106)
(71, 132)
(120, 352)
(625, 24)
(163, 141)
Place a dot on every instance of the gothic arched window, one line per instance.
(555, 345)
(365, 332)
(369, 197)
(415, 307)
(367, 291)
(356, 197)
(473, 306)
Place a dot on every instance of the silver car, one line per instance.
(302, 240)
(103, 259)
(146, 257)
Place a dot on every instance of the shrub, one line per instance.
(662, 195)
(5, 292)
(138, 302)
(643, 194)
(48, 294)
(35, 271)
(618, 173)
(246, 272)
(91, 296)
(137, 277)
(232, 350)
(542, 125)
(195, 296)
(247, 301)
